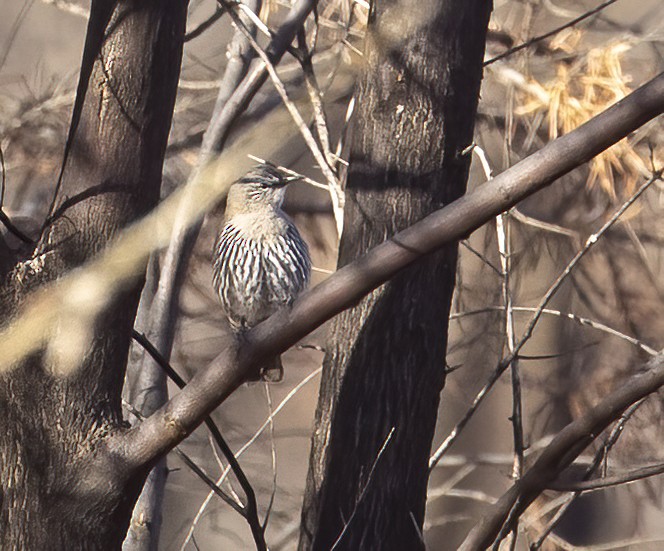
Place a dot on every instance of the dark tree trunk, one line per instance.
(385, 361)
(55, 492)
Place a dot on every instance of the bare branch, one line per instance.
(191, 464)
(608, 481)
(216, 382)
(564, 448)
(507, 361)
(247, 445)
(549, 34)
(578, 319)
(257, 75)
(600, 457)
(251, 508)
(204, 26)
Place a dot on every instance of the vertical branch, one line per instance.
(504, 252)
(503, 234)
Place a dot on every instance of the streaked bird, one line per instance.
(261, 263)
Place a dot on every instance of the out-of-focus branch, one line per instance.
(213, 384)
(218, 132)
(551, 33)
(564, 448)
(69, 7)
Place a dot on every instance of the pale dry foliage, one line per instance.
(579, 91)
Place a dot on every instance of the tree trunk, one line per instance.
(385, 361)
(56, 494)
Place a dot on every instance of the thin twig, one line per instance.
(251, 509)
(247, 445)
(578, 319)
(542, 225)
(273, 456)
(590, 242)
(364, 489)
(191, 464)
(336, 193)
(600, 483)
(479, 255)
(504, 253)
(291, 172)
(344, 131)
(222, 467)
(204, 26)
(315, 97)
(549, 34)
(539, 310)
(600, 457)
(200, 473)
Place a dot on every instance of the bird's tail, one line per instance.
(271, 372)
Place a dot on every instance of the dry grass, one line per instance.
(578, 92)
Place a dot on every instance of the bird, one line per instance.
(260, 261)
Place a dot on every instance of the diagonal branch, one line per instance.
(562, 451)
(213, 384)
(608, 481)
(250, 511)
(513, 355)
(551, 33)
(218, 132)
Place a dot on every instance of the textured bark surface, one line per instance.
(57, 490)
(385, 361)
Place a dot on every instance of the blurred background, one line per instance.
(603, 322)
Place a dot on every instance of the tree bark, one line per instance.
(385, 361)
(55, 494)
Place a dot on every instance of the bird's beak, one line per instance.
(290, 179)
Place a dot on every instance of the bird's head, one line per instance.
(264, 184)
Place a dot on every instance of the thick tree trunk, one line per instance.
(51, 426)
(385, 361)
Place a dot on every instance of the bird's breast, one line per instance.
(263, 228)
(262, 264)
